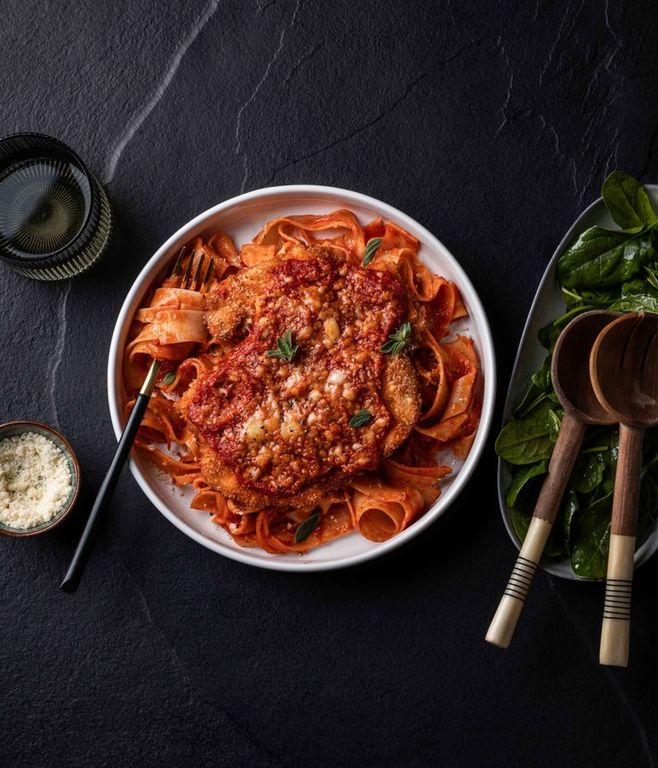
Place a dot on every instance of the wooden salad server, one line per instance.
(571, 382)
(624, 373)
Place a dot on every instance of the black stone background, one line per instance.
(493, 125)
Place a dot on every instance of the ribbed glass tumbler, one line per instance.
(55, 218)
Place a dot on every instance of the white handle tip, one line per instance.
(615, 642)
(503, 624)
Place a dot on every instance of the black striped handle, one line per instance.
(617, 603)
(616, 626)
(521, 579)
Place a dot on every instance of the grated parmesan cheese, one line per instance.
(35, 480)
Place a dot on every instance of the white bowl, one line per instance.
(242, 217)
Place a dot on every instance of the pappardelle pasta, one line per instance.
(309, 381)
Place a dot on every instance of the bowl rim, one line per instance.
(485, 350)
(28, 424)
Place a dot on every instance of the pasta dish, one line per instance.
(310, 381)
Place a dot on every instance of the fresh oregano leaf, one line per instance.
(306, 527)
(285, 349)
(398, 340)
(361, 419)
(371, 248)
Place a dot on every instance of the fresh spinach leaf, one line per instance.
(599, 439)
(634, 302)
(648, 509)
(554, 422)
(521, 514)
(548, 334)
(528, 440)
(572, 298)
(604, 490)
(591, 538)
(540, 390)
(521, 479)
(628, 202)
(602, 298)
(651, 462)
(651, 275)
(590, 553)
(637, 287)
(532, 399)
(602, 269)
(603, 257)
(651, 442)
(542, 378)
(520, 522)
(637, 295)
(588, 472)
(569, 510)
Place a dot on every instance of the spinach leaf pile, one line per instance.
(603, 269)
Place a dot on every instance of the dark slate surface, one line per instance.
(493, 126)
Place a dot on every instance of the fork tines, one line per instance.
(194, 277)
(188, 269)
(179, 259)
(197, 272)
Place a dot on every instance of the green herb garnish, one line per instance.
(361, 418)
(371, 248)
(169, 378)
(615, 269)
(306, 527)
(285, 349)
(398, 340)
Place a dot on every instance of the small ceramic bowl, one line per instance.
(14, 428)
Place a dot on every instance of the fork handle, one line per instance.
(565, 452)
(616, 627)
(79, 560)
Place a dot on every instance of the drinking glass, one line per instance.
(55, 218)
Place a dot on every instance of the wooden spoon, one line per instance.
(624, 373)
(571, 381)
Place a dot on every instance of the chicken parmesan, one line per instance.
(308, 382)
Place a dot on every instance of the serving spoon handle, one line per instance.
(616, 627)
(565, 453)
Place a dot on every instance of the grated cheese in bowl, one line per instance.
(35, 480)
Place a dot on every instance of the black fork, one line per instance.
(192, 277)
